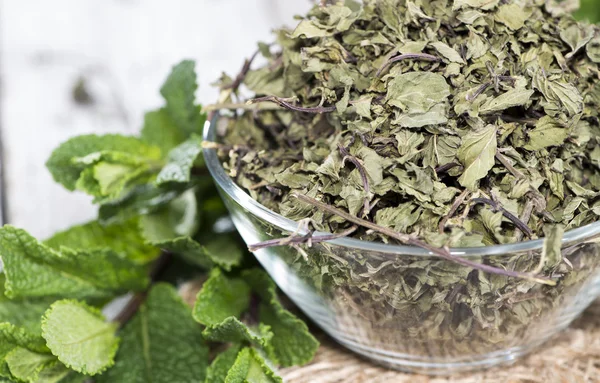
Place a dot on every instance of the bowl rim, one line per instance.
(239, 196)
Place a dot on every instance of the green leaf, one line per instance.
(27, 365)
(292, 342)
(552, 248)
(448, 52)
(18, 336)
(12, 337)
(162, 343)
(422, 97)
(59, 373)
(217, 371)
(559, 93)
(547, 132)
(249, 366)
(106, 181)
(233, 330)
(221, 249)
(480, 4)
(80, 337)
(142, 199)
(159, 130)
(71, 158)
(179, 218)
(220, 301)
(181, 161)
(221, 297)
(309, 30)
(33, 269)
(24, 313)
(122, 238)
(513, 16)
(180, 93)
(477, 153)
(512, 98)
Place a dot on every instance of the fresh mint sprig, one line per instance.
(157, 212)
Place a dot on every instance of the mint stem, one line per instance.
(406, 239)
(138, 299)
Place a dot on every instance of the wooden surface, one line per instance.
(124, 49)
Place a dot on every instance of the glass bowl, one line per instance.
(407, 309)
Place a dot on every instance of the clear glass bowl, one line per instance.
(419, 325)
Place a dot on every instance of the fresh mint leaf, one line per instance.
(292, 342)
(179, 218)
(140, 200)
(12, 337)
(180, 162)
(71, 158)
(221, 297)
(221, 250)
(234, 330)
(24, 357)
(159, 130)
(107, 181)
(33, 269)
(180, 93)
(59, 373)
(250, 366)
(26, 365)
(218, 369)
(80, 337)
(123, 238)
(11, 334)
(162, 343)
(24, 313)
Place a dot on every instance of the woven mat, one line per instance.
(573, 357)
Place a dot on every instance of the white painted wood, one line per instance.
(125, 48)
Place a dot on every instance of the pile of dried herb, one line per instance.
(435, 123)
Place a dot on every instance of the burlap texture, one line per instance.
(571, 357)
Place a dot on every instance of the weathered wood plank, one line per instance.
(124, 49)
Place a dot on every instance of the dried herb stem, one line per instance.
(239, 105)
(363, 175)
(408, 56)
(515, 172)
(132, 307)
(446, 167)
(525, 217)
(455, 205)
(285, 103)
(242, 75)
(508, 215)
(296, 239)
(519, 120)
(478, 92)
(443, 253)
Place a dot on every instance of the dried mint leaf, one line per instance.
(467, 124)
